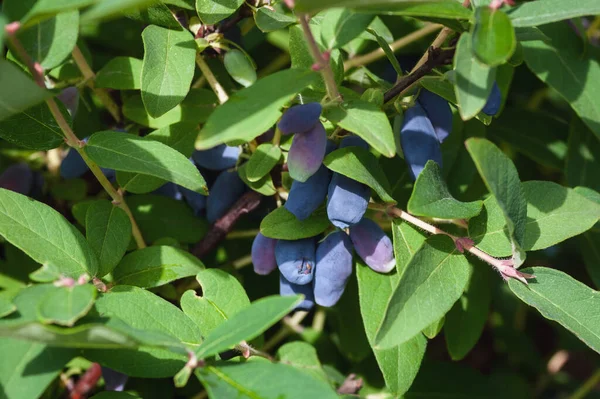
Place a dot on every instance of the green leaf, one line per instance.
(554, 214)
(253, 110)
(264, 185)
(159, 217)
(431, 198)
(536, 135)
(502, 180)
(302, 356)
(69, 190)
(195, 108)
(18, 358)
(561, 66)
(400, 363)
(282, 224)
(583, 156)
(268, 20)
(559, 297)
(526, 34)
(367, 121)
(45, 235)
(466, 320)
(3, 22)
(34, 128)
(360, 165)
(493, 37)
(240, 67)
(129, 153)
(418, 300)
(107, 9)
(179, 136)
(340, 25)
(247, 381)
(45, 274)
(389, 53)
(18, 92)
(121, 73)
(51, 41)
(167, 69)
(157, 14)
(222, 297)
(474, 80)
(545, 11)
(423, 8)
(262, 161)
(6, 307)
(247, 324)
(43, 9)
(155, 266)
(432, 330)
(108, 231)
(213, 11)
(66, 305)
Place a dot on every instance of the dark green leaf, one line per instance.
(559, 297)
(159, 217)
(18, 92)
(168, 68)
(302, 356)
(493, 36)
(108, 231)
(340, 25)
(247, 324)
(213, 11)
(431, 198)
(389, 53)
(546, 11)
(583, 156)
(122, 73)
(106, 9)
(367, 121)
(474, 80)
(157, 14)
(360, 165)
(262, 161)
(240, 67)
(6, 307)
(269, 20)
(66, 305)
(418, 300)
(502, 179)
(45, 235)
(282, 224)
(129, 153)
(155, 266)
(253, 110)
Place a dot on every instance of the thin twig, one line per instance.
(395, 46)
(212, 80)
(587, 386)
(89, 76)
(321, 62)
(437, 43)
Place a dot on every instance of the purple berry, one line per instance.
(195, 200)
(18, 178)
(263, 254)
(300, 118)
(113, 380)
(419, 141)
(373, 245)
(217, 158)
(73, 165)
(170, 190)
(347, 201)
(70, 98)
(439, 113)
(307, 152)
(287, 289)
(494, 101)
(296, 260)
(223, 194)
(334, 267)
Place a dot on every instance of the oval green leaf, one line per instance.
(66, 305)
(493, 36)
(282, 224)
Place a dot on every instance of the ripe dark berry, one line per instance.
(373, 245)
(296, 260)
(334, 267)
(300, 118)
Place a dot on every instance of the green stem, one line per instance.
(212, 80)
(587, 386)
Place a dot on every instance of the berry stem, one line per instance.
(89, 76)
(395, 46)
(212, 80)
(70, 137)
(320, 61)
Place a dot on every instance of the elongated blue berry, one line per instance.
(305, 197)
(373, 245)
(419, 141)
(170, 190)
(439, 113)
(73, 165)
(224, 192)
(220, 157)
(296, 260)
(307, 152)
(334, 267)
(113, 380)
(287, 289)
(263, 254)
(347, 199)
(494, 101)
(300, 118)
(195, 200)
(18, 178)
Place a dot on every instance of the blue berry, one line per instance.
(18, 178)
(220, 157)
(494, 101)
(300, 118)
(439, 113)
(263, 254)
(307, 152)
(373, 245)
(287, 289)
(296, 260)
(419, 141)
(223, 194)
(334, 267)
